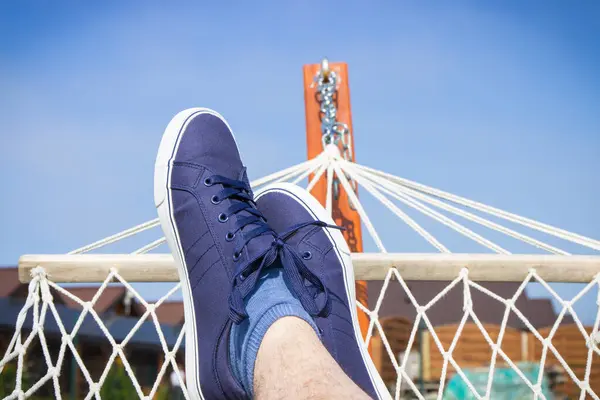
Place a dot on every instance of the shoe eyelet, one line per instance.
(229, 236)
(208, 182)
(222, 217)
(236, 256)
(215, 199)
(307, 255)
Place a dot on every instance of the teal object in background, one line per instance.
(508, 385)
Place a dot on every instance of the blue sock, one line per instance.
(269, 301)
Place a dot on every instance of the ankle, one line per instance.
(269, 304)
(292, 351)
(287, 330)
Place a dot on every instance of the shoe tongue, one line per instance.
(243, 176)
(259, 244)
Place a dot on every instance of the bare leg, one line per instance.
(293, 364)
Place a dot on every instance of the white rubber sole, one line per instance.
(163, 201)
(345, 256)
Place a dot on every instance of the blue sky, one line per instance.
(495, 101)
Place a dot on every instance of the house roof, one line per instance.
(449, 310)
(118, 326)
(109, 296)
(170, 312)
(9, 280)
(540, 313)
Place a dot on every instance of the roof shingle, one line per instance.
(449, 309)
(170, 313)
(9, 281)
(109, 296)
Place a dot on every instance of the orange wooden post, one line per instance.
(343, 214)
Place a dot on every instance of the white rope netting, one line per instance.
(401, 197)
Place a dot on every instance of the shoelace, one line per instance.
(295, 273)
(247, 274)
(239, 190)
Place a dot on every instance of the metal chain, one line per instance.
(334, 131)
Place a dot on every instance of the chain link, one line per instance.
(334, 131)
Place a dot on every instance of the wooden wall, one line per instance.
(472, 350)
(571, 346)
(397, 331)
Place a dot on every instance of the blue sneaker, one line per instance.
(212, 227)
(220, 243)
(305, 225)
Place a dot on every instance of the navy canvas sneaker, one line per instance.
(213, 228)
(220, 243)
(294, 214)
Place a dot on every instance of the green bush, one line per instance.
(118, 385)
(162, 393)
(8, 377)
